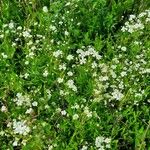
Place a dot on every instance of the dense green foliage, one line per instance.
(74, 74)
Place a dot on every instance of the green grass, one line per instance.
(74, 75)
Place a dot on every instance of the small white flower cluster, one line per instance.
(22, 100)
(60, 80)
(62, 66)
(135, 23)
(75, 117)
(53, 28)
(45, 9)
(123, 48)
(90, 52)
(116, 94)
(84, 147)
(27, 33)
(70, 84)
(45, 73)
(132, 26)
(102, 143)
(4, 108)
(70, 73)
(70, 57)
(87, 112)
(20, 127)
(4, 55)
(63, 112)
(57, 53)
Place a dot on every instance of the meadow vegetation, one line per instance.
(74, 74)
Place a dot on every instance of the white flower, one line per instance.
(46, 106)
(58, 110)
(22, 100)
(45, 9)
(84, 148)
(50, 147)
(57, 53)
(75, 116)
(63, 112)
(60, 80)
(70, 73)
(131, 17)
(34, 103)
(67, 4)
(24, 142)
(31, 54)
(62, 93)
(4, 56)
(26, 62)
(29, 111)
(45, 74)
(19, 28)
(20, 127)
(70, 84)
(117, 95)
(76, 106)
(105, 78)
(99, 141)
(26, 34)
(1, 36)
(3, 108)
(66, 33)
(53, 28)
(15, 143)
(70, 57)
(62, 67)
(94, 65)
(107, 140)
(108, 146)
(48, 93)
(123, 48)
(26, 75)
(87, 112)
(101, 148)
(11, 25)
(123, 73)
(60, 22)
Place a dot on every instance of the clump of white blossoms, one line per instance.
(90, 52)
(116, 94)
(135, 23)
(60, 80)
(84, 147)
(26, 33)
(63, 112)
(22, 100)
(34, 103)
(28, 111)
(70, 57)
(102, 143)
(75, 117)
(20, 127)
(70, 84)
(57, 53)
(88, 112)
(4, 108)
(45, 73)
(45, 9)
(70, 73)
(11, 25)
(4, 56)
(62, 66)
(66, 33)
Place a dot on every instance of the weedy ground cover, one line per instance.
(74, 75)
